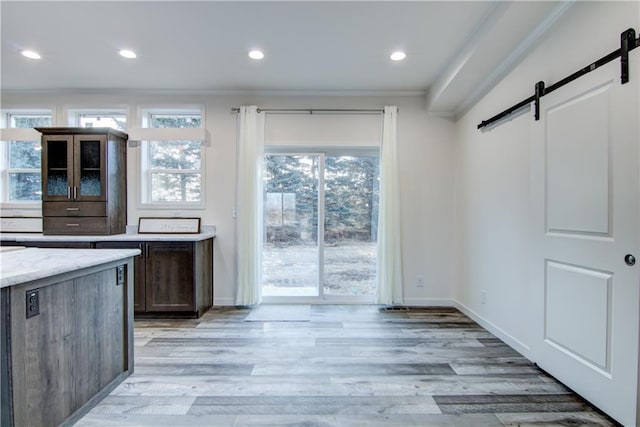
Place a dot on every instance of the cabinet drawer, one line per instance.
(74, 209)
(78, 225)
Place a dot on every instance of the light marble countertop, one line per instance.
(207, 232)
(28, 264)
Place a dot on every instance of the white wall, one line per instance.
(425, 152)
(493, 170)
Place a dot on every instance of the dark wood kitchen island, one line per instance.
(66, 331)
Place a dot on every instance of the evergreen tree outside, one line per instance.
(351, 191)
(175, 165)
(24, 159)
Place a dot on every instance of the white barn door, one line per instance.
(585, 191)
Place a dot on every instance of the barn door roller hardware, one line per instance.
(628, 42)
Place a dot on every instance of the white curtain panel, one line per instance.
(249, 206)
(389, 268)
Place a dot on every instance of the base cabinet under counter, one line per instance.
(171, 278)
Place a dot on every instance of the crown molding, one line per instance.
(216, 92)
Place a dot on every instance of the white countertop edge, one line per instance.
(208, 232)
(29, 264)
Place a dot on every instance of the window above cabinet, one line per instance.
(20, 156)
(172, 158)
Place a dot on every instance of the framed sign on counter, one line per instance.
(159, 225)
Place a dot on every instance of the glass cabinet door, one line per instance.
(90, 167)
(57, 159)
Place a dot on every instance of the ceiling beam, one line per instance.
(512, 59)
(458, 61)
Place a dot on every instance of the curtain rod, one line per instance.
(313, 110)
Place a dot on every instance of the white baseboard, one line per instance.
(429, 302)
(516, 344)
(224, 302)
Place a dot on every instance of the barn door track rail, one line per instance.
(628, 42)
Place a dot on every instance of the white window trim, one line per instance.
(146, 134)
(7, 134)
(73, 114)
(145, 110)
(21, 110)
(5, 203)
(145, 199)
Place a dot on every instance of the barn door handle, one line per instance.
(630, 259)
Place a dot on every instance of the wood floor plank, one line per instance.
(467, 420)
(461, 404)
(583, 419)
(480, 368)
(354, 369)
(347, 366)
(313, 405)
(137, 420)
(179, 368)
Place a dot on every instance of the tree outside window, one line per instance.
(117, 121)
(23, 160)
(175, 166)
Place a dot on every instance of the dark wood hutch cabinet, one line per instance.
(84, 181)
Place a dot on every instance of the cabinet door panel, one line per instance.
(57, 167)
(170, 276)
(139, 271)
(90, 182)
(100, 349)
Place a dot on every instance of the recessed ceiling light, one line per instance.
(256, 54)
(398, 56)
(126, 53)
(31, 54)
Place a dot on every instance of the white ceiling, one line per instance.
(455, 50)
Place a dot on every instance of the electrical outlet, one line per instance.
(33, 303)
(419, 281)
(483, 297)
(120, 275)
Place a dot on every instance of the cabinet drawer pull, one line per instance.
(68, 192)
(73, 225)
(73, 209)
(75, 193)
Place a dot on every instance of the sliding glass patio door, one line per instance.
(320, 227)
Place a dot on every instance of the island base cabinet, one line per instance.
(62, 357)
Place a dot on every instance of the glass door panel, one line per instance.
(290, 254)
(90, 181)
(351, 217)
(320, 224)
(58, 167)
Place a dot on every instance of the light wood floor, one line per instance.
(345, 366)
